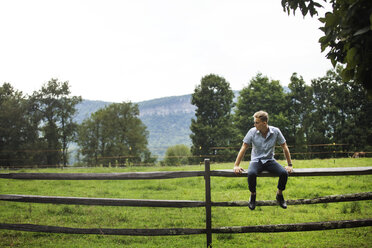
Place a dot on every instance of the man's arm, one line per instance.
(237, 168)
(287, 155)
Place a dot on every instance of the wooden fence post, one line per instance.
(208, 202)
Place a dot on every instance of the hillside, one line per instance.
(168, 122)
(167, 119)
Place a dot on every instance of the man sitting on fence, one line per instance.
(263, 139)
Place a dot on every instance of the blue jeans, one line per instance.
(272, 166)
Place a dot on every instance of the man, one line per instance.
(263, 139)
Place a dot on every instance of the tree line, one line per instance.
(328, 111)
(37, 130)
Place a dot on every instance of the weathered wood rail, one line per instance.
(207, 204)
(103, 176)
(299, 227)
(175, 203)
(306, 172)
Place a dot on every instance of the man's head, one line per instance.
(261, 119)
(262, 115)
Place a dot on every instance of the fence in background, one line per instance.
(207, 204)
(216, 153)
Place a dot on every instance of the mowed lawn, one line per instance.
(223, 189)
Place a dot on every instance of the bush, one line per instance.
(177, 155)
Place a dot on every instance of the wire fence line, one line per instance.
(207, 204)
(217, 147)
(306, 151)
(302, 172)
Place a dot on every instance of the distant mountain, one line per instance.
(167, 106)
(167, 119)
(88, 107)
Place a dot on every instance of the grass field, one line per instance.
(223, 189)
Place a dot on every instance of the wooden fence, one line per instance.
(207, 204)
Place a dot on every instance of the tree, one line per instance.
(68, 127)
(88, 139)
(351, 112)
(347, 35)
(177, 155)
(261, 94)
(114, 135)
(56, 110)
(299, 110)
(341, 113)
(321, 127)
(212, 127)
(18, 129)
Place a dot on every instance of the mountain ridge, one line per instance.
(167, 119)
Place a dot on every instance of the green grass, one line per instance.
(223, 189)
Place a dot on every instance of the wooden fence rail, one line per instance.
(297, 227)
(103, 231)
(103, 176)
(208, 204)
(307, 172)
(175, 203)
(102, 201)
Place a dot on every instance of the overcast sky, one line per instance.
(143, 49)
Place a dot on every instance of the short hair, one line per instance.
(262, 115)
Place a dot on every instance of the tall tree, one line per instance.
(321, 127)
(68, 127)
(212, 127)
(347, 35)
(56, 110)
(261, 94)
(18, 129)
(299, 109)
(341, 113)
(89, 139)
(351, 112)
(114, 135)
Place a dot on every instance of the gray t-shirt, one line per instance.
(263, 148)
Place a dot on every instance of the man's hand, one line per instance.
(289, 169)
(238, 170)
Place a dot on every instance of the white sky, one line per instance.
(135, 50)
